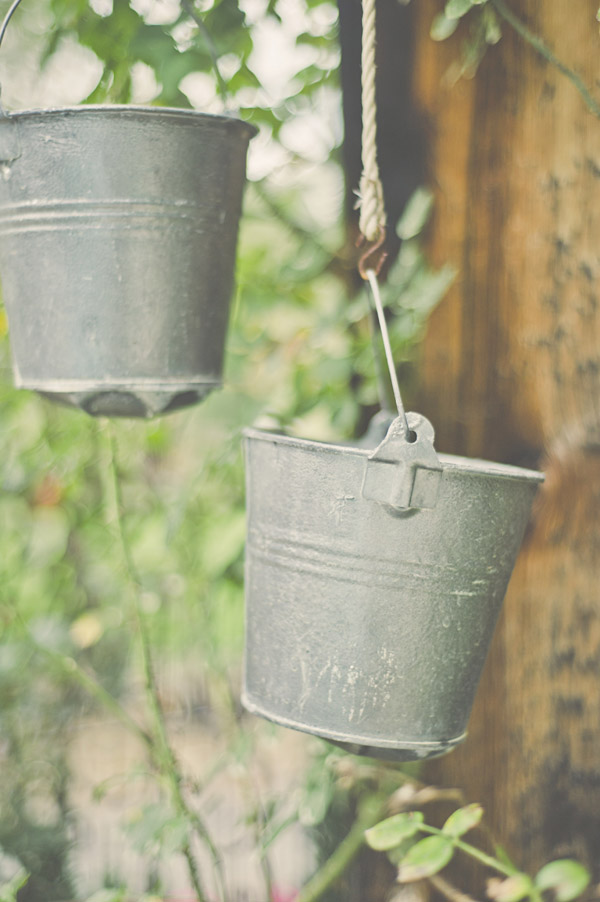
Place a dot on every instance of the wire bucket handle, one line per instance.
(3, 28)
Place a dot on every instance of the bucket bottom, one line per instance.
(417, 751)
(129, 402)
(396, 749)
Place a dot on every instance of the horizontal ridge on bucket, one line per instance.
(118, 228)
(367, 621)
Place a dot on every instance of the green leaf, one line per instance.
(153, 829)
(491, 24)
(426, 858)
(598, 14)
(416, 214)
(108, 895)
(314, 806)
(567, 878)
(49, 536)
(463, 819)
(8, 891)
(393, 830)
(512, 889)
(442, 27)
(456, 9)
(399, 853)
(224, 543)
(503, 856)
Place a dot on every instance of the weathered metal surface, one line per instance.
(118, 229)
(367, 625)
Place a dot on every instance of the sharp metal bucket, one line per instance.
(374, 579)
(118, 229)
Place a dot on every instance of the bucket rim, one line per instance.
(450, 462)
(134, 110)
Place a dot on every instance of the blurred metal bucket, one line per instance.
(370, 609)
(118, 229)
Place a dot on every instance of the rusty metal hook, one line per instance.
(368, 252)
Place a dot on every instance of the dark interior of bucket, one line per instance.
(397, 755)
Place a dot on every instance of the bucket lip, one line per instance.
(421, 748)
(120, 383)
(450, 462)
(134, 110)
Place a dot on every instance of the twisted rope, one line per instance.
(372, 210)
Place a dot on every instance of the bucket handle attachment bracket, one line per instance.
(10, 144)
(404, 472)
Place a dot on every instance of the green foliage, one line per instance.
(416, 214)
(462, 820)
(484, 31)
(456, 9)
(425, 858)
(154, 830)
(443, 27)
(198, 40)
(394, 830)
(9, 890)
(109, 895)
(418, 859)
(566, 878)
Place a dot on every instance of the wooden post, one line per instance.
(511, 372)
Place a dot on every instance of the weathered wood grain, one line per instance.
(511, 371)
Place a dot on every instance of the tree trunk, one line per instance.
(511, 372)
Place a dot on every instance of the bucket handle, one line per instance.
(10, 148)
(3, 28)
(404, 471)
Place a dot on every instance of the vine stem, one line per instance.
(91, 685)
(370, 812)
(542, 48)
(212, 50)
(161, 749)
(97, 691)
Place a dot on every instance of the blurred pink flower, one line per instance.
(281, 895)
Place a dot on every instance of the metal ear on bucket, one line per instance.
(118, 230)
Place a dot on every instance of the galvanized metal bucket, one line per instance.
(118, 229)
(374, 579)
